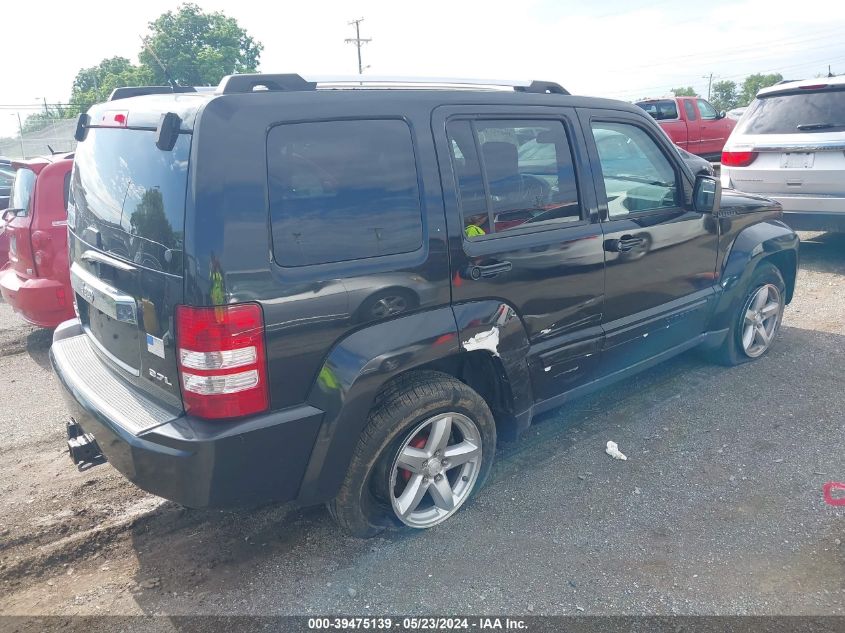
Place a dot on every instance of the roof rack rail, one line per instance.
(293, 82)
(138, 91)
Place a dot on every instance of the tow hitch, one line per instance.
(83, 448)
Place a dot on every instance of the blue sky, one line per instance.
(609, 48)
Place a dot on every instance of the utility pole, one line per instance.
(709, 79)
(359, 42)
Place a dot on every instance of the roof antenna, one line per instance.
(152, 52)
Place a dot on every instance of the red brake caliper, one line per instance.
(417, 442)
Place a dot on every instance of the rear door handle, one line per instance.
(489, 270)
(623, 244)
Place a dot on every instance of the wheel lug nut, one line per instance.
(438, 478)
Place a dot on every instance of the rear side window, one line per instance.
(342, 190)
(513, 175)
(822, 111)
(661, 110)
(21, 196)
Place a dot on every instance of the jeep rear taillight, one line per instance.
(738, 159)
(222, 361)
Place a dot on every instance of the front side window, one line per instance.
(690, 109)
(637, 175)
(342, 190)
(513, 175)
(707, 110)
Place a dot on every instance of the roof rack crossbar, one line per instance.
(293, 82)
(231, 84)
(138, 91)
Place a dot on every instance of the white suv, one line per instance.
(790, 146)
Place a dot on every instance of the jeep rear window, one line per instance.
(21, 195)
(813, 111)
(123, 182)
(342, 190)
(662, 110)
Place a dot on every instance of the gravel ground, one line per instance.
(717, 511)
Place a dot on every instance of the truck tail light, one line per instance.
(42, 252)
(738, 159)
(222, 360)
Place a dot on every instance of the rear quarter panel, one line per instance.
(307, 309)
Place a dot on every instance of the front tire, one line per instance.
(757, 319)
(426, 450)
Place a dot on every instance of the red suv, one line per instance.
(36, 281)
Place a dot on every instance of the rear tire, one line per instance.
(756, 320)
(403, 427)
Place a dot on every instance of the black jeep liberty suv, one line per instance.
(336, 292)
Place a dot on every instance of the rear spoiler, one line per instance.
(167, 130)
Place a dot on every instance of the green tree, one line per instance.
(684, 92)
(198, 48)
(724, 95)
(754, 83)
(95, 84)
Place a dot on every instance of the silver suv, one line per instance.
(790, 146)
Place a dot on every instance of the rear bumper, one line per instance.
(43, 302)
(194, 462)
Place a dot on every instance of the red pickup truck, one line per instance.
(692, 123)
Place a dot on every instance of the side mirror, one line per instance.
(722, 114)
(706, 194)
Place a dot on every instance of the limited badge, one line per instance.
(155, 346)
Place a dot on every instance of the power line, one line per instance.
(359, 42)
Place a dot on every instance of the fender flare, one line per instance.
(353, 373)
(359, 365)
(754, 244)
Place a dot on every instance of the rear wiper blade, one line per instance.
(819, 126)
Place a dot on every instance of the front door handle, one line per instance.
(489, 270)
(623, 244)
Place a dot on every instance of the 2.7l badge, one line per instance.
(160, 377)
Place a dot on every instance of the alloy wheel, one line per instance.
(435, 469)
(388, 306)
(761, 320)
